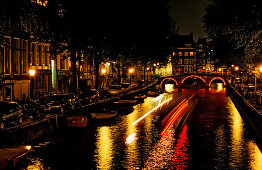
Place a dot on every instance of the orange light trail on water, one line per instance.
(142, 117)
(174, 118)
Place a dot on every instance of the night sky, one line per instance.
(188, 16)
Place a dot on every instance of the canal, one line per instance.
(214, 137)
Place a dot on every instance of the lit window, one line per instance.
(40, 2)
(7, 55)
(180, 61)
(185, 69)
(180, 54)
(174, 53)
(191, 54)
(203, 62)
(190, 69)
(186, 53)
(188, 45)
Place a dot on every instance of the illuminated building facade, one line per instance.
(184, 55)
(22, 51)
(205, 56)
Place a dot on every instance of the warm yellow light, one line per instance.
(236, 68)
(147, 68)
(219, 69)
(131, 138)
(155, 108)
(28, 147)
(103, 71)
(131, 70)
(32, 72)
(154, 64)
(260, 68)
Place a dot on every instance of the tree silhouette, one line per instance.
(232, 24)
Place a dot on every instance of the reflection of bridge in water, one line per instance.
(207, 79)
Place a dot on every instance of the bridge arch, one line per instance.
(169, 78)
(217, 78)
(191, 76)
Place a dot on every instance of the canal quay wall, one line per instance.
(31, 130)
(247, 111)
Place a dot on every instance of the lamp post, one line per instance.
(103, 72)
(147, 69)
(131, 70)
(32, 73)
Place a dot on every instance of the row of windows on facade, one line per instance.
(40, 2)
(185, 69)
(186, 54)
(186, 61)
(44, 4)
(191, 61)
(17, 52)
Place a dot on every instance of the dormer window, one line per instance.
(40, 2)
(188, 45)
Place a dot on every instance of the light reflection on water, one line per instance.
(237, 131)
(169, 87)
(35, 165)
(132, 152)
(104, 145)
(217, 133)
(255, 155)
(180, 160)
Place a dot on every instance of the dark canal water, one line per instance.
(215, 137)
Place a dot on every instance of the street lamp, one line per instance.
(236, 68)
(147, 69)
(103, 72)
(32, 73)
(131, 70)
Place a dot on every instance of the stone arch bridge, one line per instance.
(207, 79)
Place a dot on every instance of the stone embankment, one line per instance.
(247, 111)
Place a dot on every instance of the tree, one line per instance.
(232, 24)
(117, 29)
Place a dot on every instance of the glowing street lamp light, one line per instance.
(147, 68)
(236, 68)
(131, 70)
(103, 71)
(32, 72)
(260, 69)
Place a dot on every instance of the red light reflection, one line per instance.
(180, 151)
(174, 118)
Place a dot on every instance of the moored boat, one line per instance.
(76, 121)
(103, 115)
(140, 98)
(124, 103)
(152, 93)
